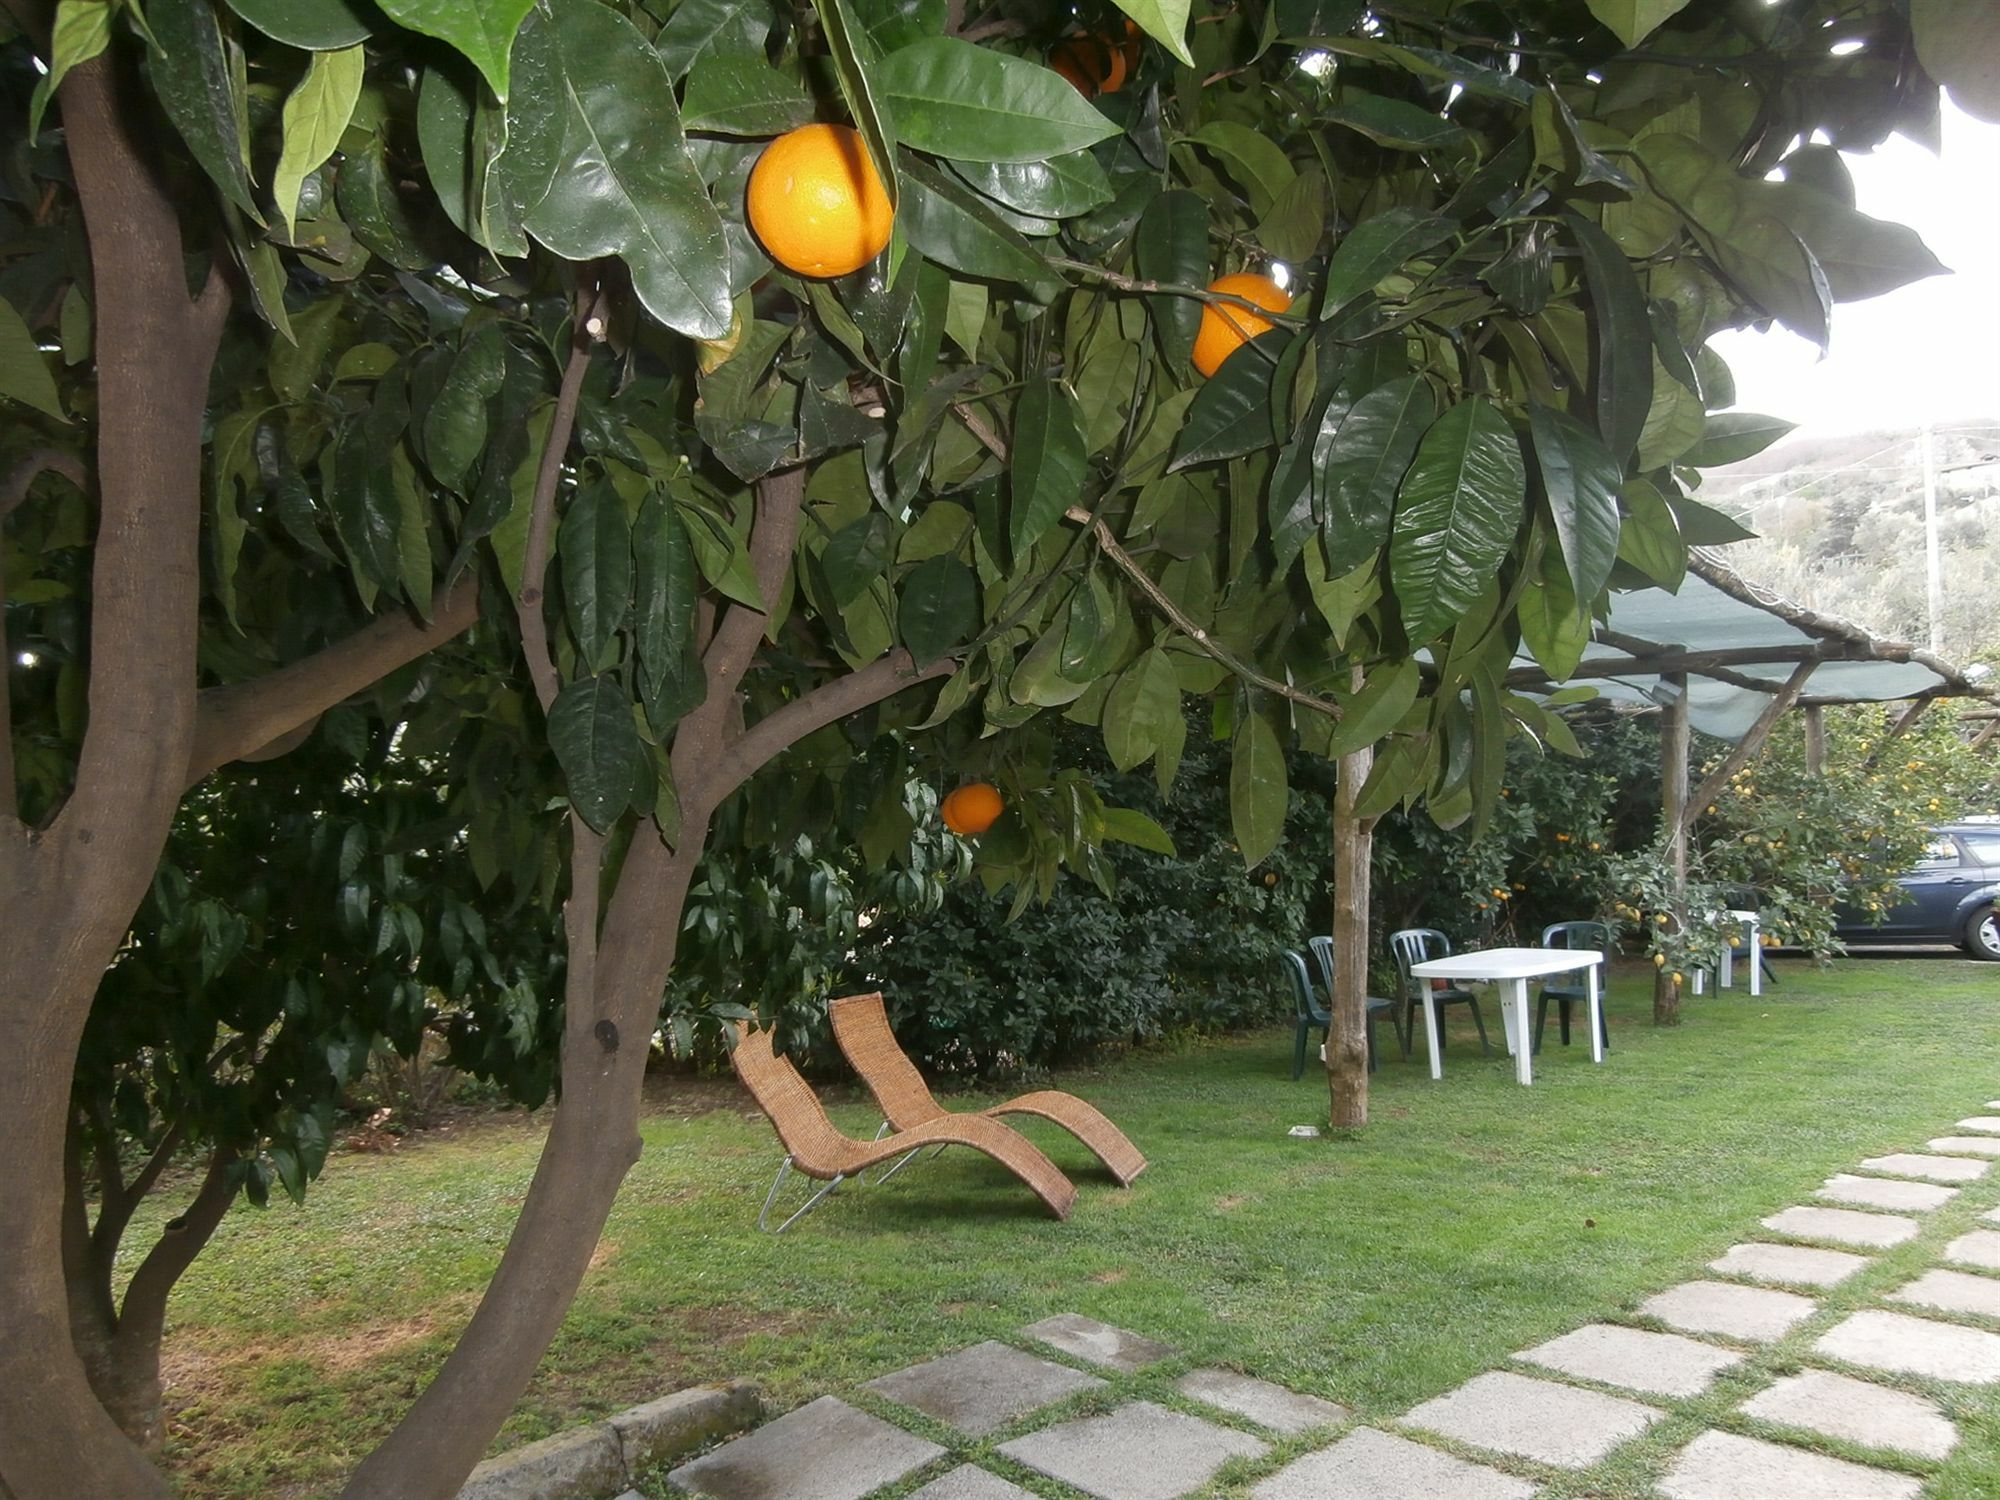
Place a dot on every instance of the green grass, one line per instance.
(1471, 1219)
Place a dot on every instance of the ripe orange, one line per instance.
(972, 809)
(1095, 64)
(817, 203)
(1225, 328)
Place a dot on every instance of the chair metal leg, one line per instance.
(902, 1161)
(784, 1172)
(1479, 1021)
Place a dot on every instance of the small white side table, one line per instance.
(1747, 927)
(1511, 969)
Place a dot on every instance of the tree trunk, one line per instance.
(1673, 825)
(1347, 1045)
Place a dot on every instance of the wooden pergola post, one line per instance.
(1673, 823)
(1815, 717)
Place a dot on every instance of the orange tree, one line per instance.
(333, 331)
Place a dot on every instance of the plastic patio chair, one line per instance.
(1306, 1007)
(1415, 945)
(861, 1027)
(816, 1147)
(1322, 952)
(1572, 935)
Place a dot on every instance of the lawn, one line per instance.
(1471, 1219)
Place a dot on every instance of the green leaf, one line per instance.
(455, 425)
(1261, 165)
(1674, 423)
(1141, 709)
(316, 25)
(81, 30)
(1165, 21)
(971, 103)
(1124, 825)
(1378, 708)
(366, 512)
(738, 93)
(413, 533)
(1375, 247)
(1359, 463)
(1705, 526)
(1059, 188)
(200, 84)
(1632, 21)
(948, 224)
(24, 369)
(1958, 42)
(315, 116)
(1732, 436)
(624, 184)
(855, 60)
(1397, 770)
(1581, 480)
(481, 29)
(1048, 463)
(1397, 124)
(699, 28)
(1297, 220)
(938, 608)
(597, 745)
(666, 587)
(1650, 539)
(1456, 515)
(1257, 788)
(1171, 246)
(1624, 368)
(720, 554)
(594, 548)
(1553, 629)
(1090, 639)
(1231, 412)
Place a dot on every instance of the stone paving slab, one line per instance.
(825, 1450)
(1099, 1343)
(1979, 1247)
(1915, 1346)
(1843, 1226)
(1656, 1364)
(970, 1482)
(1953, 1291)
(1885, 1192)
(1138, 1452)
(1858, 1411)
(985, 1388)
(1966, 1145)
(1371, 1465)
(1261, 1402)
(1758, 1314)
(1723, 1466)
(1788, 1265)
(1987, 1124)
(1538, 1419)
(1929, 1168)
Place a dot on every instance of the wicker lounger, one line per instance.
(861, 1026)
(815, 1146)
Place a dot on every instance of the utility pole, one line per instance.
(1933, 563)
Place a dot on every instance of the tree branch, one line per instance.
(236, 721)
(1739, 757)
(781, 499)
(584, 336)
(14, 488)
(143, 1312)
(1124, 283)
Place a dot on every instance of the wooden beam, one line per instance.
(1748, 746)
(1673, 809)
(1815, 719)
(1985, 736)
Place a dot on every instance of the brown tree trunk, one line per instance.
(1347, 1045)
(1673, 825)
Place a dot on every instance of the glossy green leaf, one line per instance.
(80, 31)
(1732, 436)
(1359, 463)
(1632, 21)
(1704, 525)
(624, 184)
(971, 103)
(721, 556)
(1059, 188)
(1171, 246)
(481, 29)
(856, 58)
(1047, 475)
(1581, 480)
(1257, 162)
(948, 224)
(1958, 42)
(1298, 217)
(594, 549)
(455, 425)
(1090, 638)
(937, 608)
(1166, 21)
(855, 556)
(597, 745)
(1397, 124)
(1650, 539)
(1379, 707)
(1142, 707)
(1124, 825)
(1674, 424)
(315, 115)
(699, 30)
(1623, 374)
(1257, 788)
(1457, 513)
(738, 93)
(1375, 247)
(200, 85)
(1231, 412)
(1553, 629)
(24, 369)
(316, 25)
(413, 532)
(366, 511)
(666, 586)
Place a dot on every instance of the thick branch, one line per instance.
(1123, 283)
(1712, 785)
(780, 501)
(236, 721)
(542, 511)
(14, 488)
(144, 1309)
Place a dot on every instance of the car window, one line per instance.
(1983, 847)
(1940, 854)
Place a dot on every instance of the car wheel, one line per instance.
(1982, 934)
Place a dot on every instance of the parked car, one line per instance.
(1949, 897)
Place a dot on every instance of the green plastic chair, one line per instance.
(1322, 952)
(1309, 1012)
(1415, 945)
(1573, 935)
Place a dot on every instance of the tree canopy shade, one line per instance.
(337, 332)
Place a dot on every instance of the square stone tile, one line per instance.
(1138, 1452)
(1736, 1312)
(1655, 1364)
(1915, 1346)
(1953, 1291)
(970, 1482)
(1261, 1402)
(1966, 1145)
(1886, 1192)
(1099, 1343)
(1985, 1124)
(825, 1450)
(1843, 1226)
(1858, 1411)
(1538, 1419)
(1371, 1465)
(1723, 1466)
(984, 1388)
(1788, 1265)
(1929, 1168)
(1979, 1247)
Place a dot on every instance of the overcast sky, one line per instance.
(1927, 352)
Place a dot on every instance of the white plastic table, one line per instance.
(1747, 926)
(1511, 969)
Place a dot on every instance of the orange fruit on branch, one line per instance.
(1225, 327)
(817, 203)
(1094, 64)
(972, 809)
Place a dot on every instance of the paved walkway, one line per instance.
(1751, 1386)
